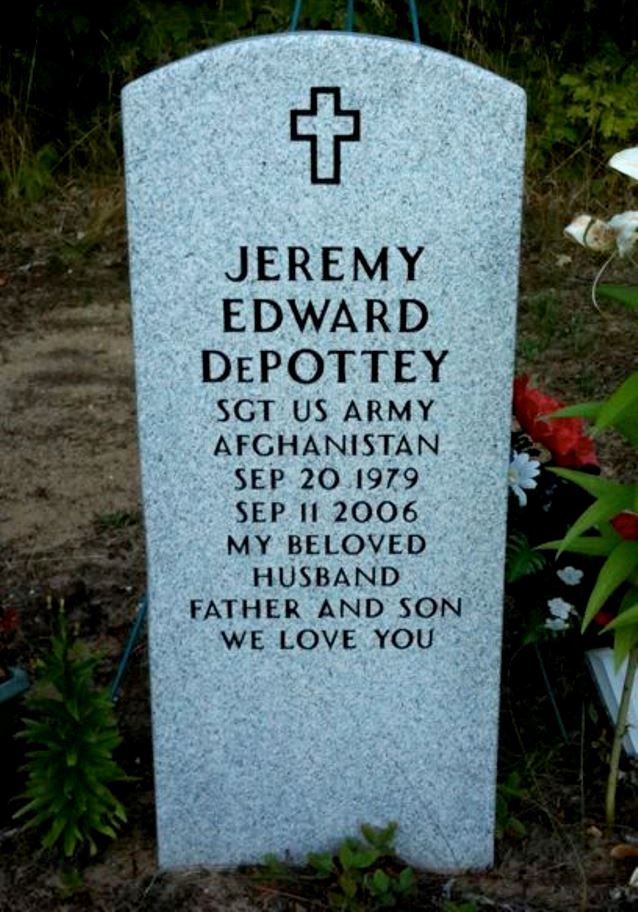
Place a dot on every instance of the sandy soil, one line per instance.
(68, 437)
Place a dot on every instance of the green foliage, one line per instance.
(508, 794)
(63, 65)
(620, 410)
(29, 177)
(545, 310)
(460, 907)
(597, 104)
(361, 876)
(520, 558)
(621, 294)
(121, 519)
(72, 733)
(621, 556)
(71, 881)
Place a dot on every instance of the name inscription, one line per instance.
(299, 487)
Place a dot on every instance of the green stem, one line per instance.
(619, 733)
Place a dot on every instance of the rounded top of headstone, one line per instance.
(284, 48)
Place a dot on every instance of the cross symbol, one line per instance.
(325, 126)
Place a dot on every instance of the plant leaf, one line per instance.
(580, 410)
(622, 294)
(620, 498)
(406, 879)
(618, 566)
(522, 559)
(321, 862)
(624, 641)
(627, 619)
(621, 410)
(365, 858)
(593, 484)
(593, 545)
(380, 881)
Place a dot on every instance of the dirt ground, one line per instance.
(71, 527)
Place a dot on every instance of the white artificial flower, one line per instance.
(521, 474)
(625, 227)
(621, 232)
(626, 162)
(570, 576)
(559, 608)
(592, 233)
(556, 624)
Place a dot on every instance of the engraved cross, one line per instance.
(325, 125)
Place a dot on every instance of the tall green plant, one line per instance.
(614, 539)
(72, 733)
(608, 529)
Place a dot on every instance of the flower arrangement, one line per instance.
(564, 439)
(542, 504)
(608, 529)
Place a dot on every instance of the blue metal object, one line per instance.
(350, 16)
(17, 684)
(296, 13)
(414, 19)
(131, 643)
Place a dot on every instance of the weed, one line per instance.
(528, 349)
(521, 559)
(72, 733)
(545, 310)
(361, 875)
(26, 172)
(579, 334)
(120, 519)
(595, 105)
(508, 793)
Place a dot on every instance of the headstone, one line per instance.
(324, 246)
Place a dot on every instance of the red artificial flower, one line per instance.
(603, 618)
(626, 525)
(564, 437)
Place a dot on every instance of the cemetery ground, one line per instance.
(72, 531)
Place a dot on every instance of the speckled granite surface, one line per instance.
(381, 181)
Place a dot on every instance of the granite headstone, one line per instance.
(324, 234)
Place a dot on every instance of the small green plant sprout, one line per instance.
(508, 794)
(520, 558)
(364, 874)
(121, 519)
(72, 733)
